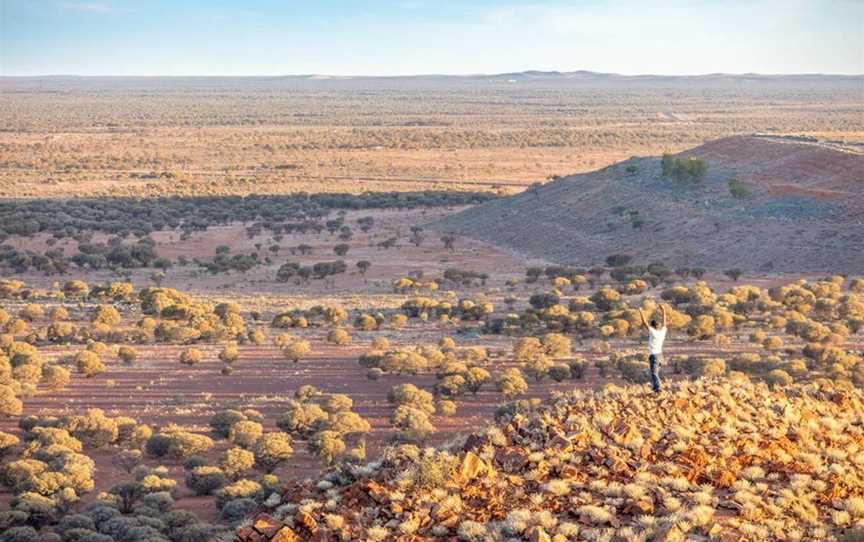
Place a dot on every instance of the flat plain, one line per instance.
(230, 310)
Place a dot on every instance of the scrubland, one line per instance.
(164, 136)
(131, 404)
(225, 314)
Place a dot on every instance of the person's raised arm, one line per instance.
(663, 312)
(644, 321)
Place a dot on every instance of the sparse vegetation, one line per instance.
(219, 350)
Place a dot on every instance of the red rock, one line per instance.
(249, 534)
(378, 492)
(285, 534)
(560, 443)
(475, 442)
(266, 525)
(511, 459)
(306, 521)
(472, 467)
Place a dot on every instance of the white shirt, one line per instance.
(655, 340)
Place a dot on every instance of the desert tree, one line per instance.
(127, 493)
(733, 274)
(76, 289)
(127, 460)
(417, 235)
(511, 383)
(191, 356)
(449, 241)
(229, 353)
(297, 350)
(559, 372)
(127, 354)
(339, 337)
(341, 249)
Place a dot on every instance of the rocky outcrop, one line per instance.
(711, 459)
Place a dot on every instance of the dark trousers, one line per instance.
(654, 362)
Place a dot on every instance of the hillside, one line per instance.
(726, 460)
(805, 211)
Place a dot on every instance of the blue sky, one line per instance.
(396, 37)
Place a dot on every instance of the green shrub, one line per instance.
(55, 377)
(327, 445)
(683, 170)
(222, 421)
(107, 315)
(738, 189)
(236, 461)
(410, 395)
(273, 449)
(241, 489)
(346, 423)
(89, 364)
(205, 480)
(245, 433)
(302, 419)
(413, 424)
(93, 428)
(19, 534)
(178, 444)
(297, 350)
(10, 405)
(338, 402)
(238, 509)
(229, 354)
(194, 461)
(559, 372)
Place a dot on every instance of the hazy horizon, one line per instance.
(419, 75)
(390, 38)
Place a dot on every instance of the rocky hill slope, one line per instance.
(711, 459)
(804, 211)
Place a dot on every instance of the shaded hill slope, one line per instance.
(805, 212)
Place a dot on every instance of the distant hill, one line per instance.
(553, 79)
(804, 211)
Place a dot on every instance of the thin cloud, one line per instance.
(87, 7)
